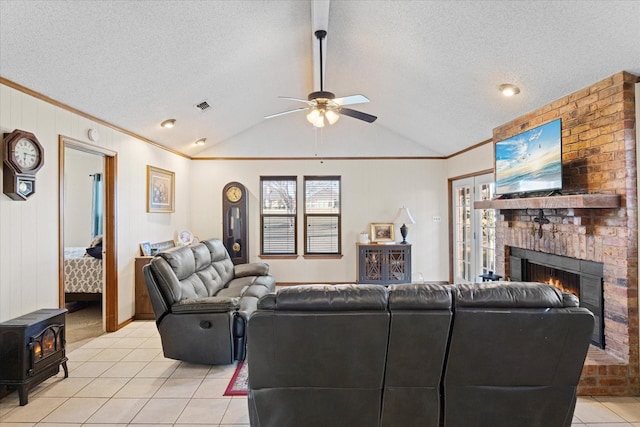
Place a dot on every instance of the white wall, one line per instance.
(78, 196)
(373, 190)
(471, 162)
(29, 229)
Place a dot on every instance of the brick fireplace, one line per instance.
(599, 158)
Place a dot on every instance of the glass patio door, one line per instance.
(473, 229)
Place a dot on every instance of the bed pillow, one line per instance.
(95, 247)
(95, 251)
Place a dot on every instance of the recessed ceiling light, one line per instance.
(201, 141)
(168, 123)
(509, 89)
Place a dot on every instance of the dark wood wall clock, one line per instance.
(23, 157)
(235, 215)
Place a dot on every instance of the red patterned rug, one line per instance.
(239, 381)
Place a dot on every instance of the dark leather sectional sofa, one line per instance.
(498, 354)
(201, 301)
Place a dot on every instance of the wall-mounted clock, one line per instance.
(23, 157)
(235, 214)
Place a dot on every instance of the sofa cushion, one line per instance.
(174, 270)
(327, 298)
(220, 259)
(509, 294)
(202, 256)
(252, 269)
(181, 260)
(420, 297)
(236, 287)
(206, 305)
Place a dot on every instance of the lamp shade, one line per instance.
(403, 217)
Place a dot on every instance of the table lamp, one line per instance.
(404, 217)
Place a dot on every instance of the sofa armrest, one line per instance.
(206, 305)
(251, 269)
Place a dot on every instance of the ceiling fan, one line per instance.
(323, 105)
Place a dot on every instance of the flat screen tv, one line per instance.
(530, 162)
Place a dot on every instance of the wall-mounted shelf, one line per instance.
(576, 201)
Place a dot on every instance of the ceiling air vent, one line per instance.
(203, 106)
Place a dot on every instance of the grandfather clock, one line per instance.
(235, 215)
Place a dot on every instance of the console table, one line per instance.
(144, 309)
(384, 264)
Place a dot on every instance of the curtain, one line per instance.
(97, 205)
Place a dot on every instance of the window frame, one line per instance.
(306, 215)
(294, 217)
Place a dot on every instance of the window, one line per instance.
(278, 215)
(322, 215)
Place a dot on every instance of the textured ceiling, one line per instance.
(430, 68)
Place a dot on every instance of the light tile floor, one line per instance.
(122, 379)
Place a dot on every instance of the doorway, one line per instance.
(87, 259)
(472, 230)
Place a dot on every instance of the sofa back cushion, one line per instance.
(184, 273)
(521, 344)
(206, 271)
(420, 319)
(220, 259)
(317, 356)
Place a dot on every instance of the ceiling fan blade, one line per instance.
(297, 99)
(358, 115)
(286, 112)
(351, 99)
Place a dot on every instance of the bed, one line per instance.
(82, 274)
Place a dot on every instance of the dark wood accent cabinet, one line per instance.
(384, 264)
(144, 309)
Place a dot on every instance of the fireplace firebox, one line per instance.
(582, 278)
(32, 348)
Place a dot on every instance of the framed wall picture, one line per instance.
(160, 190)
(382, 232)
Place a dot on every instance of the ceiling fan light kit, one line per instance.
(323, 106)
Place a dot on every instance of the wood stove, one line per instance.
(32, 348)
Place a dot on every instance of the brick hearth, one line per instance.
(599, 156)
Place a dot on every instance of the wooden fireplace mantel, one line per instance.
(576, 201)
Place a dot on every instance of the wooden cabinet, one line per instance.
(144, 310)
(384, 264)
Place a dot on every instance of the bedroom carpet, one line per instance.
(83, 324)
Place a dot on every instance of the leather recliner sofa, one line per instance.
(201, 301)
(498, 354)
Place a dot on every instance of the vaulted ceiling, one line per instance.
(431, 69)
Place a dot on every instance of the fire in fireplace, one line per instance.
(564, 280)
(582, 278)
(32, 348)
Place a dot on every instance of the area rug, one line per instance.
(239, 381)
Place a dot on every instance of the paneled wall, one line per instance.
(29, 229)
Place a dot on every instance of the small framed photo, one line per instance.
(160, 190)
(145, 249)
(185, 238)
(382, 232)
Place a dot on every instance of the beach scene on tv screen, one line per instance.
(530, 161)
